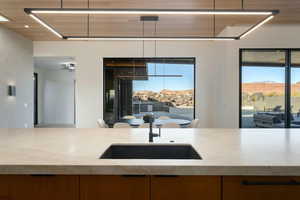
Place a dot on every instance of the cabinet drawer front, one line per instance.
(185, 187)
(43, 187)
(260, 188)
(4, 189)
(114, 187)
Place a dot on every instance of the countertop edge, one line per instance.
(150, 170)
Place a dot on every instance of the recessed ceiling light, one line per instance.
(3, 19)
(27, 26)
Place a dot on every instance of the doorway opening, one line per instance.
(54, 92)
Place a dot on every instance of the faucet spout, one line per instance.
(151, 134)
(150, 119)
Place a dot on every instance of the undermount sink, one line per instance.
(150, 151)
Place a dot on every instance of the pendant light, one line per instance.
(153, 19)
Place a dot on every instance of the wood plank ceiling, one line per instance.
(110, 25)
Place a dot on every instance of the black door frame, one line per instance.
(36, 116)
(287, 65)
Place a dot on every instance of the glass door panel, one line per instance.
(263, 77)
(295, 89)
(263, 97)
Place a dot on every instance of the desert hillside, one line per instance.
(268, 88)
(176, 98)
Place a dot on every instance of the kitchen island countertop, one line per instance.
(259, 152)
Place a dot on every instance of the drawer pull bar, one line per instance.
(42, 175)
(252, 183)
(134, 176)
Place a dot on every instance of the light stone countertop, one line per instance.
(77, 151)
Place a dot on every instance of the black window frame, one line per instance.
(103, 76)
(288, 65)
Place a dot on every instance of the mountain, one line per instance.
(176, 98)
(268, 88)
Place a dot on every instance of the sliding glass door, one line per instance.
(263, 91)
(295, 88)
(270, 88)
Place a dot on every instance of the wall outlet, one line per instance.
(26, 125)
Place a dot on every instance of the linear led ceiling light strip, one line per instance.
(148, 11)
(32, 12)
(3, 19)
(50, 28)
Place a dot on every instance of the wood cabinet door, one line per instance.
(43, 187)
(114, 187)
(185, 188)
(4, 189)
(261, 188)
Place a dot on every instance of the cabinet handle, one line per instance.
(252, 183)
(134, 175)
(42, 175)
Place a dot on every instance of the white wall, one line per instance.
(16, 68)
(89, 71)
(55, 96)
(217, 83)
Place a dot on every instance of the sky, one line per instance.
(268, 74)
(171, 83)
(249, 75)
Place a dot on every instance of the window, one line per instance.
(137, 86)
(270, 88)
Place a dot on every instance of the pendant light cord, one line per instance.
(143, 40)
(155, 34)
(88, 19)
(155, 31)
(164, 74)
(61, 3)
(133, 69)
(214, 18)
(242, 4)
